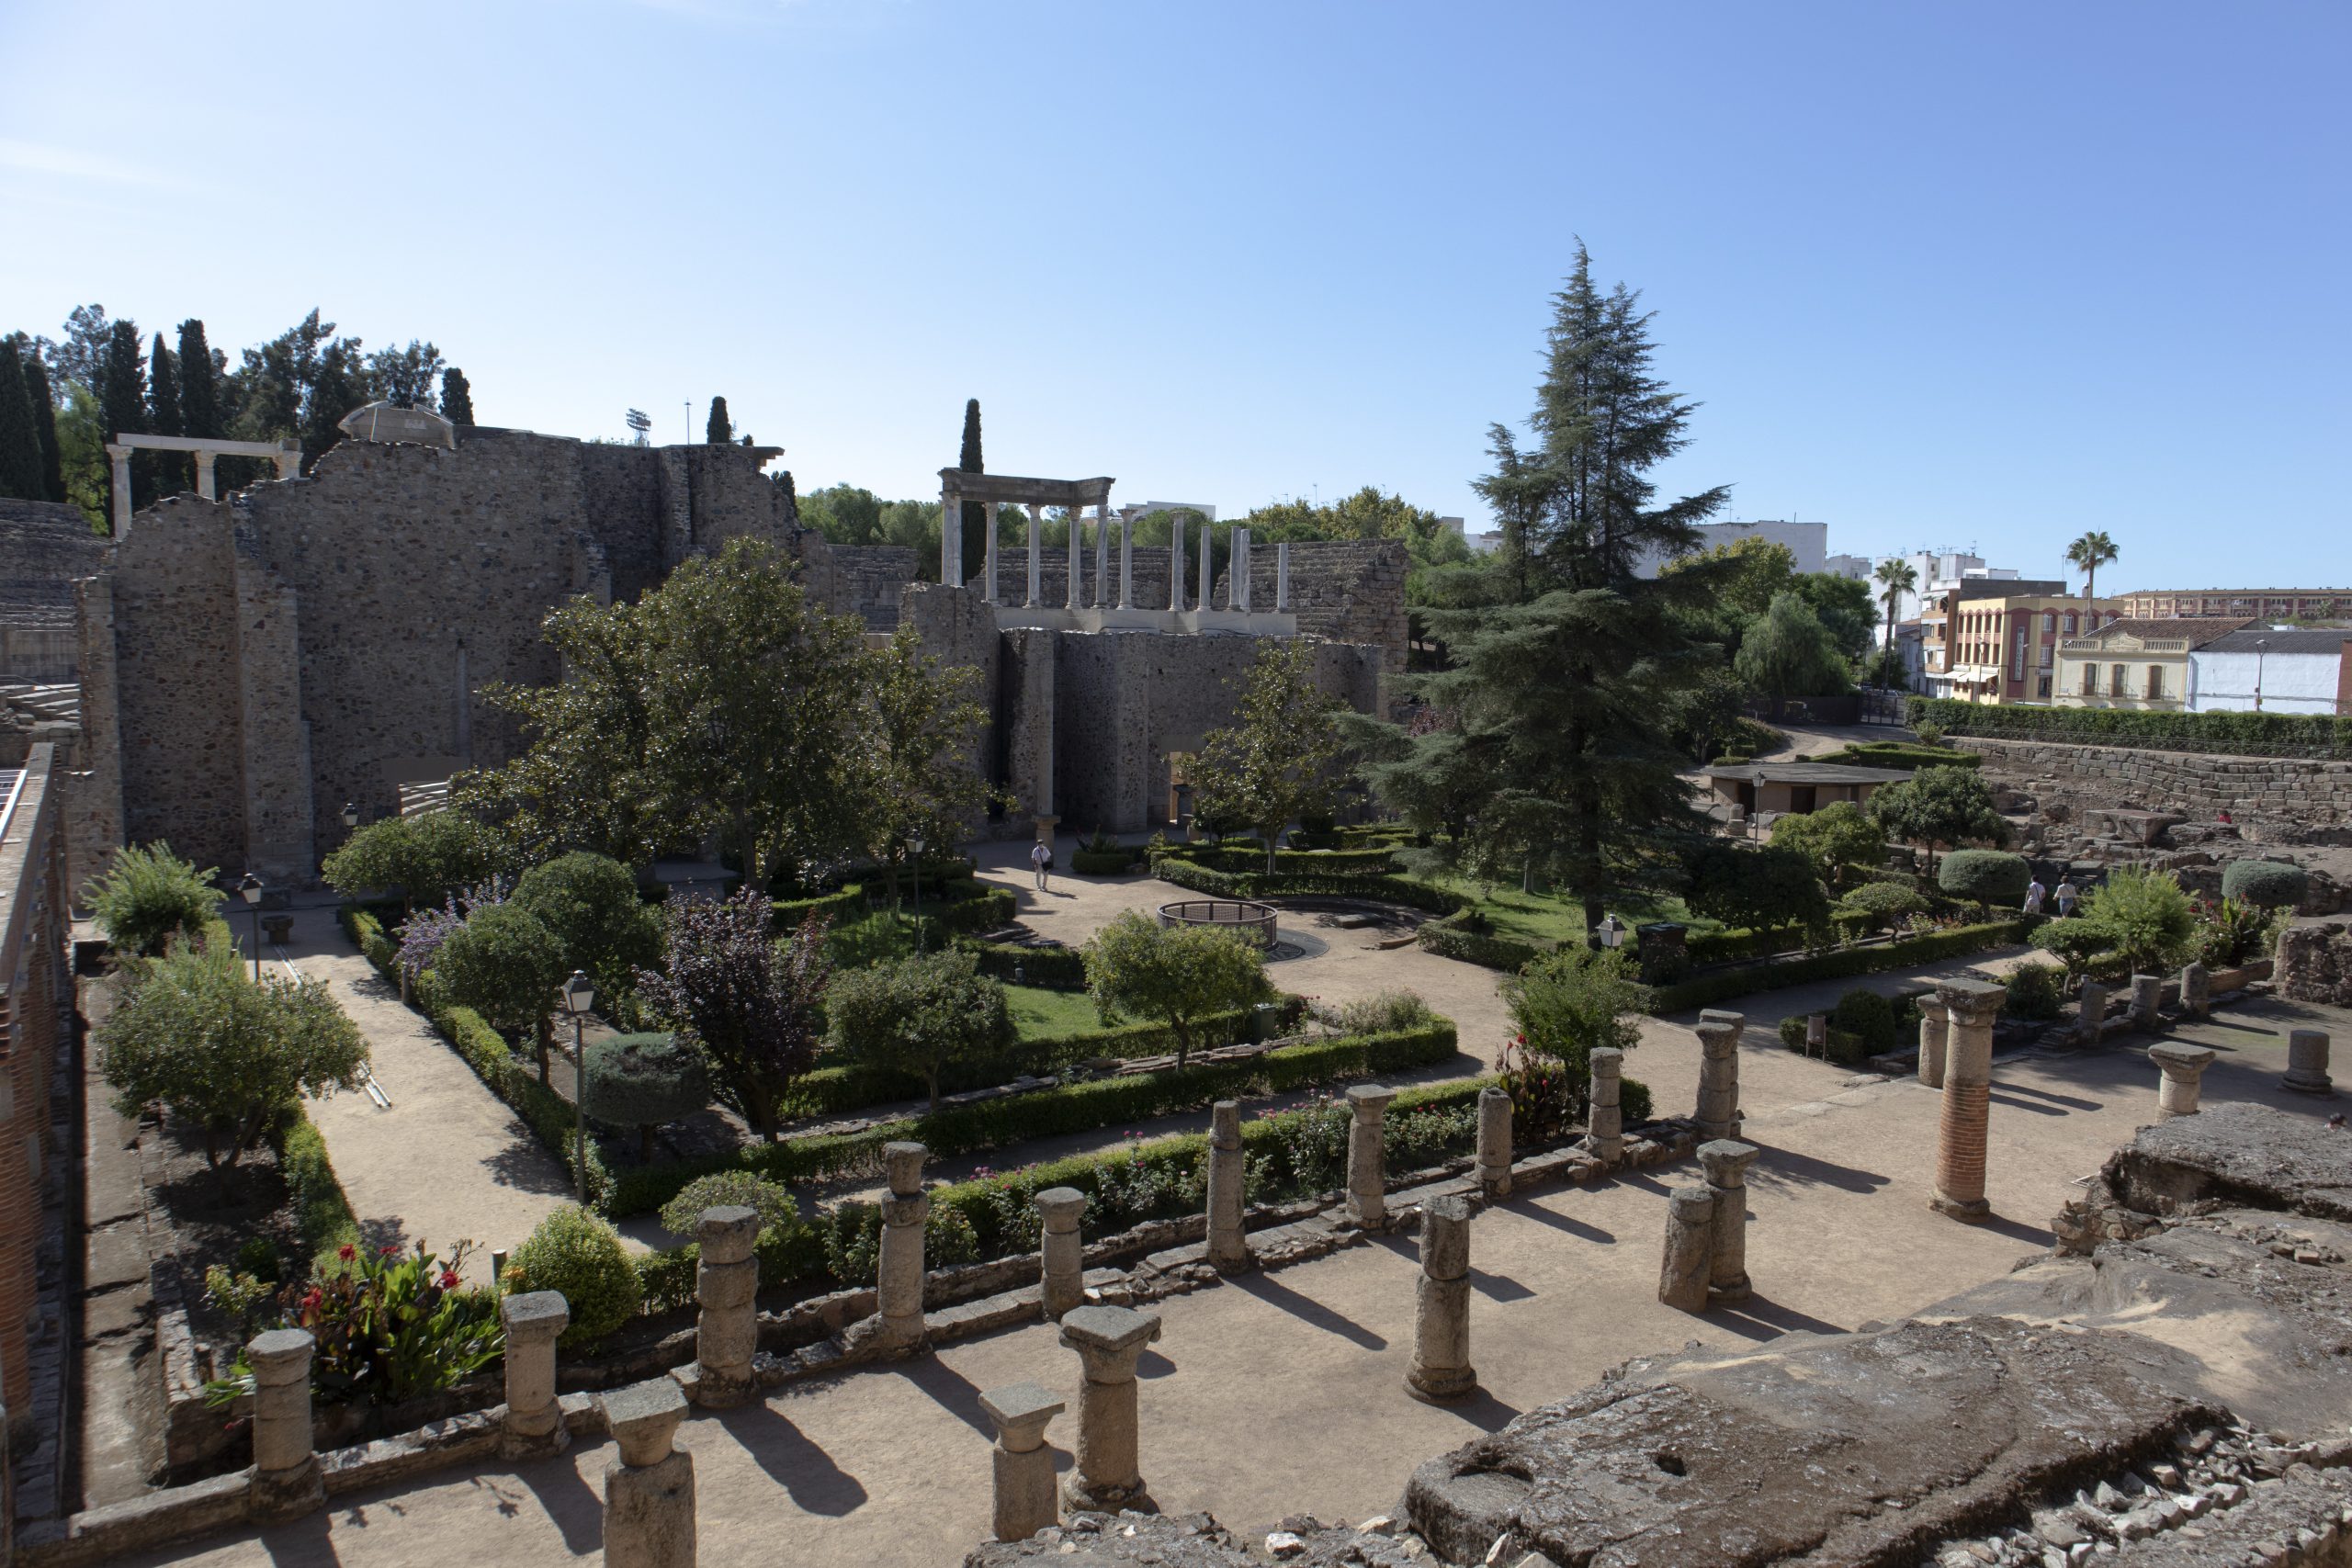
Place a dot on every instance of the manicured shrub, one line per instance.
(2266, 884)
(643, 1081)
(2037, 991)
(1571, 1003)
(1052, 968)
(1889, 904)
(1384, 1013)
(506, 964)
(1722, 984)
(682, 1215)
(426, 857)
(2083, 946)
(577, 1253)
(1454, 938)
(590, 902)
(2260, 734)
(919, 1015)
(1864, 1013)
(2146, 917)
(148, 896)
(1836, 838)
(1991, 878)
(1176, 973)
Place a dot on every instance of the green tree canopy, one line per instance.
(150, 895)
(20, 454)
(1756, 888)
(911, 767)
(1939, 805)
(457, 397)
(1273, 764)
(719, 430)
(590, 902)
(1570, 1003)
(919, 1015)
(427, 857)
(752, 1005)
(200, 380)
(1178, 974)
(504, 962)
(1789, 653)
(1838, 839)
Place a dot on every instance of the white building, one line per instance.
(1146, 508)
(2274, 670)
(1859, 567)
(1809, 542)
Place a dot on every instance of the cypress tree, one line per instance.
(199, 383)
(52, 459)
(457, 397)
(976, 513)
(123, 396)
(20, 442)
(718, 432)
(168, 473)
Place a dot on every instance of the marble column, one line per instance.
(988, 582)
(1228, 1241)
(1237, 577)
(900, 1274)
(206, 485)
(1109, 1341)
(727, 1328)
(533, 1427)
(2307, 1063)
(1103, 556)
(1281, 576)
(1367, 1184)
(1026, 1502)
(1209, 559)
(1968, 1093)
(2147, 997)
(1442, 1370)
(286, 1481)
(1176, 564)
(1061, 1261)
(1933, 1023)
(2091, 1021)
(1726, 1161)
(288, 458)
(2196, 991)
(1605, 1115)
(1077, 558)
(1036, 563)
(2183, 1067)
(1718, 1112)
(1689, 1248)
(950, 538)
(650, 1488)
(1494, 1140)
(1126, 566)
(120, 456)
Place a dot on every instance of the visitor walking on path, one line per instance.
(2066, 896)
(1042, 858)
(2034, 893)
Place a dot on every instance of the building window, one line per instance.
(2070, 623)
(2043, 687)
(2049, 623)
(2155, 682)
(2118, 681)
(2046, 651)
(2090, 680)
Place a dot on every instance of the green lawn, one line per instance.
(1540, 917)
(1041, 1014)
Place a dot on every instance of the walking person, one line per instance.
(2034, 893)
(1042, 859)
(2066, 897)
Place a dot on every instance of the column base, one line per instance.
(1738, 1290)
(2322, 1084)
(1495, 1183)
(1443, 1385)
(715, 1390)
(515, 1446)
(1238, 1262)
(1082, 1494)
(289, 1493)
(1968, 1211)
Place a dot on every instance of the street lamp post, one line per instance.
(250, 890)
(2261, 646)
(351, 814)
(578, 997)
(1610, 932)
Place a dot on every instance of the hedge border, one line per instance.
(1409, 891)
(2320, 736)
(324, 1219)
(1703, 990)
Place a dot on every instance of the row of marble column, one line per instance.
(1239, 590)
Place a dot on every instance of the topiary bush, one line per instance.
(148, 896)
(2268, 884)
(642, 1081)
(2037, 991)
(590, 902)
(1868, 1016)
(579, 1255)
(1891, 903)
(682, 1215)
(1990, 877)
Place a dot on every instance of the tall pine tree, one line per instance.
(976, 513)
(457, 397)
(199, 383)
(53, 456)
(123, 396)
(169, 473)
(717, 429)
(21, 477)
(341, 387)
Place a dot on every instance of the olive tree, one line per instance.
(504, 962)
(919, 1015)
(1178, 974)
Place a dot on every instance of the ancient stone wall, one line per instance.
(2314, 964)
(868, 580)
(2291, 789)
(43, 548)
(1346, 591)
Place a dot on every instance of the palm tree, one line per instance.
(1898, 577)
(2091, 552)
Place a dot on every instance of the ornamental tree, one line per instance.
(754, 1006)
(912, 765)
(919, 1015)
(504, 962)
(1987, 877)
(590, 902)
(1178, 974)
(643, 1081)
(427, 857)
(1271, 766)
(1756, 888)
(148, 895)
(1838, 839)
(1939, 805)
(220, 1052)
(2146, 918)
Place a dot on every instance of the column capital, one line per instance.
(1108, 1339)
(1974, 1004)
(1369, 1101)
(904, 1162)
(280, 1356)
(121, 454)
(1726, 1161)
(1022, 1412)
(1060, 1207)
(1932, 1006)
(2180, 1061)
(535, 1316)
(727, 1234)
(644, 1416)
(1224, 1125)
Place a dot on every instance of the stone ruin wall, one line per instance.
(2294, 792)
(1347, 591)
(868, 580)
(44, 546)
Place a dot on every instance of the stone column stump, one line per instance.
(2147, 1000)
(1026, 1502)
(1933, 1023)
(726, 1329)
(1109, 1340)
(649, 1489)
(1494, 1142)
(535, 1426)
(2196, 991)
(2184, 1078)
(1061, 1256)
(900, 1274)
(1441, 1372)
(286, 1480)
(2307, 1063)
(1689, 1248)
(2092, 1010)
(1228, 1240)
(1968, 1098)
(1718, 1113)
(1367, 1177)
(1605, 1116)
(1726, 1162)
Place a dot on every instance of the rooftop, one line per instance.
(2299, 640)
(1808, 772)
(2196, 630)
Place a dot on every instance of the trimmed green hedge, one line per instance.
(2257, 734)
(1243, 861)
(322, 1217)
(1900, 754)
(1052, 968)
(1101, 863)
(1734, 943)
(1409, 891)
(1448, 940)
(1705, 991)
(846, 905)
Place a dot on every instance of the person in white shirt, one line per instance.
(1040, 857)
(2034, 893)
(2066, 896)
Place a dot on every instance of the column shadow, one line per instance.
(1151, 1364)
(1759, 1318)
(1787, 1166)
(951, 1391)
(1485, 1412)
(2018, 1230)
(1526, 1209)
(566, 1498)
(804, 1470)
(2069, 1100)
(1500, 1287)
(305, 1542)
(1998, 1098)
(1307, 1310)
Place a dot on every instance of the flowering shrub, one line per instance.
(389, 1326)
(422, 937)
(1541, 1105)
(579, 1253)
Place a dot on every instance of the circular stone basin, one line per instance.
(1252, 920)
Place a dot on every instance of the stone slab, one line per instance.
(2241, 1154)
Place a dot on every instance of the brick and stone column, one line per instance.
(2196, 991)
(1442, 1370)
(535, 1426)
(2307, 1063)
(726, 1329)
(2147, 998)
(1726, 1161)
(1718, 1114)
(1176, 564)
(1494, 1140)
(1605, 1117)
(900, 1274)
(1026, 1502)
(1367, 1177)
(1109, 1340)
(1036, 563)
(2091, 1021)
(988, 582)
(650, 1488)
(1228, 1241)
(286, 1480)
(1933, 1021)
(2184, 1078)
(1061, 1256)
(1689, 1248)
(1968, 1093)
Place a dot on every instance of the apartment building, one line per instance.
(1987, 639)
(2136, 662)
(2255, 604)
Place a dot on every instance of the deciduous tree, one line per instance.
(754, 1006)
(506, 964)
(1178, 974)
(1789, 653)
(1939, 805)
(911, 769)
(919, 1015)
(1273, 764)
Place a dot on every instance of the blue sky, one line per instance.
(1941, 274)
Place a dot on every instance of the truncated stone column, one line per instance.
(1726, 1163)
(1442, 1370)
(1932, 1024)
(900, 1274)
(1605, 1118)
(1109, 1340)
(1367, 1178)
(534, 1420)
(2147, 998)
(1228, 1242)
(2092, 1010)
(649, 1489)
(2196, 991)
(1494, 1140)
(1719, 1033)
(1062, 1257)
(726, 1329)
(1689, 1248)
(2184, 1078)
(2307, 1063)
(286, 1480)
(1968, 1092)
(1025, 1502)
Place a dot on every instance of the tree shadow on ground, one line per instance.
(805, 1471)
(524, 1167)
(1787, 1168)
(1760, 1318)
(1307, 1310)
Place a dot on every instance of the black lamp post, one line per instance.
(351, 814)
(579, 995)
(250, 890)
(1609, 933)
